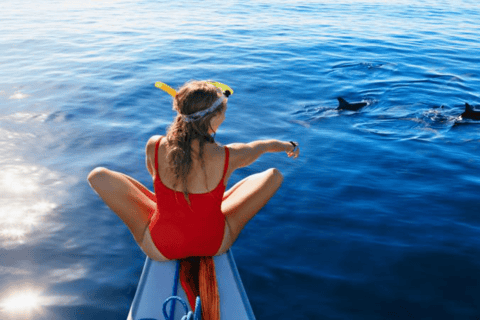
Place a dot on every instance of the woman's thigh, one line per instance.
(148, 247)
(125, 198)
(247, 197)
(227, 241)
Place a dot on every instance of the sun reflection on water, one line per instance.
(22, 302)
(29, 303)
(19, 219)
(30, 195)
(24, 206)
(27, 201)
(18, 95)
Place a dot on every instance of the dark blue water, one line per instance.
(378, 218)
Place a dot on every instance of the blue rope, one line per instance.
(173, 298)
(188, 314)
(175, 290)
(198, 309)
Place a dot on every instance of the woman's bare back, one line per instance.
(200, 179)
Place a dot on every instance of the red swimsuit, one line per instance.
(179, 230)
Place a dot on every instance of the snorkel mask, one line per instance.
(226, 92)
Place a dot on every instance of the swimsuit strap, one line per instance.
(225, 168)
(156, 156)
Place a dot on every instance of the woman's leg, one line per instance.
(128, 198)
(132, 202)
(245, 199)
(142, 188)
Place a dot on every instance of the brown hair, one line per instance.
(192, 97)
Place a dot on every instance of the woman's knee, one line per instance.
(98, 176)
(275, 175)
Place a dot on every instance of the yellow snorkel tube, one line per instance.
(227, 91)
(166, 88)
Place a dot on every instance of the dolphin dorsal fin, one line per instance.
(468, 107)
(342, 103)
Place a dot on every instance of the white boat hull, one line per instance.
(156, 283)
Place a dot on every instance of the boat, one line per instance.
(157, 280)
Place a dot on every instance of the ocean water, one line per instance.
(377, 219)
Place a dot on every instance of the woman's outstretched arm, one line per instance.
(244, 154)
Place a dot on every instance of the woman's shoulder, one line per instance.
(152, 142)
(236, 149)
(150, 152)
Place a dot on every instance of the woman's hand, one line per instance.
(295, 150)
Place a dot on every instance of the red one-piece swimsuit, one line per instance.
(180, 230)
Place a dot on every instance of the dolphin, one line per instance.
(344, 105)
(470, 113)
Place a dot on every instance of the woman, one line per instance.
(190, 214)
(190, 170)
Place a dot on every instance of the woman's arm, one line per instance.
(244, 154)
